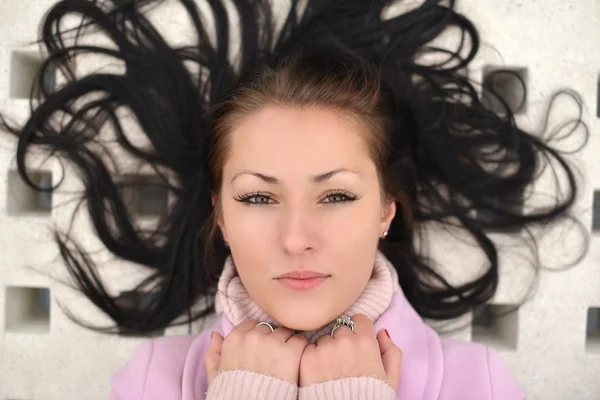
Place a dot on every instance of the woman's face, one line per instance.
(300, 192)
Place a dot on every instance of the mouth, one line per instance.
(302, 284)
(302, 274)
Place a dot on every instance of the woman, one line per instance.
(301, 177)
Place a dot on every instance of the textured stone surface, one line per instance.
(556, 41)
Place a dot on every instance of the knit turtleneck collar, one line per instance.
(234, 301)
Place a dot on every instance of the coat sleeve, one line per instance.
(130, 381)
(503, 384)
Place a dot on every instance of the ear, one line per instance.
(387, 215)
(219, 217)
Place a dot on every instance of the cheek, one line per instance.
(247, 232)
(352, 241)
(356, 236)
(242, 223)
(358, 224)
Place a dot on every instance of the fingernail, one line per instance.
(387, 333)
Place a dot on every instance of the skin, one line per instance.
(298, 222)
(287, 356)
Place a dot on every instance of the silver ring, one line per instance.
(267, 324)
(344, 321)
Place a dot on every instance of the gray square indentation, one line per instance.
(24, 69)
(592, 331)
(27, 309)
(497, 326)
(22, 199)
(145, 195)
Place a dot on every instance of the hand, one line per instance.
(255, 348)
(348, 354)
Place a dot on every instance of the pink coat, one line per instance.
(172, 368)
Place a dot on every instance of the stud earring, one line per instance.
(384, 234)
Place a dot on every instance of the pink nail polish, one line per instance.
(387, 333)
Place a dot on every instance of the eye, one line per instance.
(254, 199)
(263, 199)
(339, 197)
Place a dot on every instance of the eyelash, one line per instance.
(246, 197)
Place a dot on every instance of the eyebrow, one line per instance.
(314, 178)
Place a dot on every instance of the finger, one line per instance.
(282, 334)
(303, 379)
(264, 329)
(323, 340)
(341, 332)
(309, 348)
(298, 338)
(249, 325)
(212, 357)
(246, 326)
(363, 325)
(391, 357)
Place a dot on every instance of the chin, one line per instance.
(302, 320)
(303, 325)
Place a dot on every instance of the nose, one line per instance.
(298, 230)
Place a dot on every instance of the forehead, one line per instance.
(313, 138)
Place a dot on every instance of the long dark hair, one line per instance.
(445, 155)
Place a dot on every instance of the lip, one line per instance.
(302, 284)
(302, 274)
